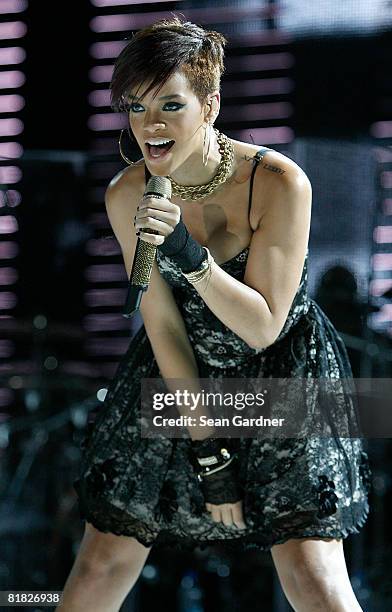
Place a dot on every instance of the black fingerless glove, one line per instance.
(184, 250)
(216, 464)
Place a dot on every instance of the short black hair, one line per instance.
(157, 51)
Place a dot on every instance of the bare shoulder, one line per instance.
(122, 196)
(274, 174)
(127, 187)
(272, 167)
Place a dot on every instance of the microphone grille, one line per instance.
(160, 185)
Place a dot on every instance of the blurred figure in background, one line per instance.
(337, 296)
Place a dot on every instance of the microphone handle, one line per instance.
(139, 278)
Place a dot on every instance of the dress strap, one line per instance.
(257, 157)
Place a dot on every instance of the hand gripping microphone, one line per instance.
(145, 252)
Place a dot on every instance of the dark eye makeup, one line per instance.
(131, 106)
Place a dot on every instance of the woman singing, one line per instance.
(227, 299)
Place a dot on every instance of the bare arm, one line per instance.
(162, 319)
(257, 308)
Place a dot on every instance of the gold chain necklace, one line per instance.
(196, 192)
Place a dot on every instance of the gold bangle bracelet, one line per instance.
(198, 275)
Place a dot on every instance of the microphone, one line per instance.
(145, 252)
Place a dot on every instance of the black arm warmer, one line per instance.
(184, 250)
(221, 487)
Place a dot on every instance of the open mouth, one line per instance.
(156, 151)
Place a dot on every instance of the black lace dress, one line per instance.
(147, 488)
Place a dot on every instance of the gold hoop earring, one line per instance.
(206, 155)
(125, 158)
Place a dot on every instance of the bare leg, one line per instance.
(105, 570)
(313, 575)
